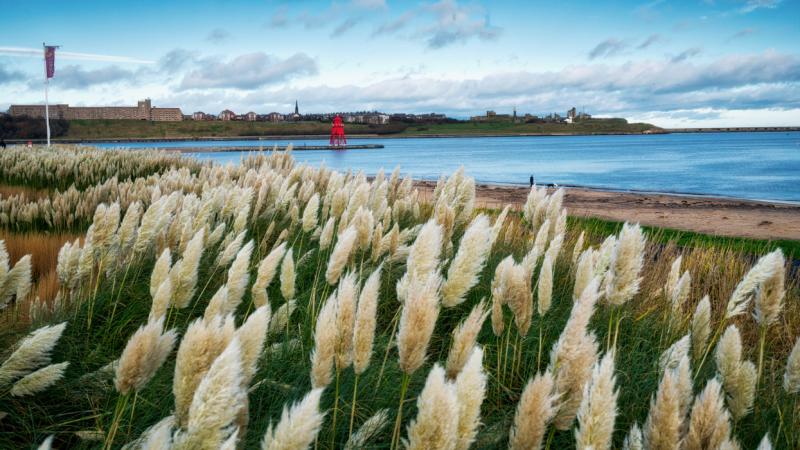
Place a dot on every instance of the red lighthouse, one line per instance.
(338, 138)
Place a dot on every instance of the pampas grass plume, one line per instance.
(184, 282)
(40, 380)
(633, 441)
(417, 321)
(701, 327)
(251, 336)
(469, 261)
(346, 298)
(536, 408)
(288, 276)
(662, 430)
(709, 423)
(544, 288)
(368, 429)
(325, 340)
(625, 265)
(436, 424)
(202, 342)
(281, 317)
(598, 409)
(298, 426)
(738, 376)
(160, 271)
(470, 392)
(144, 354)
(34, 351)
(364, 333)
(326, 235)
(791, 377)
(239, 276)
(310, 213)
(464, 337)
(265, 274)
(764, 269)
(340, 255)
(216, 402)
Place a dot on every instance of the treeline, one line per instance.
(30, 127)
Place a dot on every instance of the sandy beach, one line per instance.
(709, 215)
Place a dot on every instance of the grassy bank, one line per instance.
(137, 129)
(306, 241)
(592, 126)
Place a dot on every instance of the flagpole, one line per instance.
(46, 101)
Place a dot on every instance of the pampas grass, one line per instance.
(325, 341)
(738, 376)
(469, 261)
(417, 320)
(364, 333)
(144, 354)
(32, 352)
(623, 276)
(791, 375)
(239, 276)
(298, 426)
(573, 355)
(662, 430)
(544, 287)
(265, 274)
(288, 276)
(368, 430)
(39, 380)
(216, 403)
(340, 255)
(709, 424)
(598, 409)
(436, 424)
(536, 408)
(470, 392)
(465, 336)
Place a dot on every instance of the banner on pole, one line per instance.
(50, 60)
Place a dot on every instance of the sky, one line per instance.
(703, 63)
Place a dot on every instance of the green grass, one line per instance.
(592, 126)
(100, 325)
(138, 129)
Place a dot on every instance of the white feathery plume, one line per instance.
(310, 213)
(368, 429)
(464, 337)
(598, 409)
(33, 351)
(143, 355)
(436, 424)
(364, 330)
(265, 274)
(791, 377)
(470, 258)
(239, 276)
(298, 426)
(536, 409)
(544, 286)
(758, 274)
(160, 271)
(470, 392)
(288, 276)
(622, 279)
(701, 327)
(40, 380)
(340, 255)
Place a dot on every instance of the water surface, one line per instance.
(762, 166)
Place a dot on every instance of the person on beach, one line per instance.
(532, 180)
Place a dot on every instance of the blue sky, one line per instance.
(692, 63)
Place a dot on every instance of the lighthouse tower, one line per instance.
(338, 138)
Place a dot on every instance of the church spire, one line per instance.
(296, 108)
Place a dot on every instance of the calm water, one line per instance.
(745, 165)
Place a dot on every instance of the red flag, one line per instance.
(50, 60)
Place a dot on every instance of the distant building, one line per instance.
(275, 117)
(227, 115)
(199, 115)
(296, 115)
(144, 110)
(251, 116)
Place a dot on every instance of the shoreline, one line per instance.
(720, 216)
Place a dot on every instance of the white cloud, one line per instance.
(248, 71)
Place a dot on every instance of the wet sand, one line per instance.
(708, 215)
